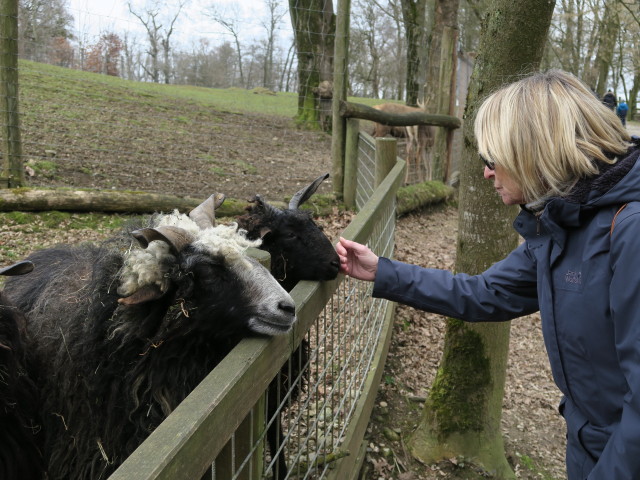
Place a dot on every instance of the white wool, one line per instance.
(225, 240)
(177, 219)
(144, 266)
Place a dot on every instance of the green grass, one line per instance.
(47, 168)
(529, 464)
(79, 86)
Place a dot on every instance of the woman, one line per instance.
(550, 146)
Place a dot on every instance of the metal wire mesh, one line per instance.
(316, 409)
(366, 169)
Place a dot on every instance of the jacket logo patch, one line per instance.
(573, 277)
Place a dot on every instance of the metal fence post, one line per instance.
(11, 171)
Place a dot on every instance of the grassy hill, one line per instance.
(83, 129)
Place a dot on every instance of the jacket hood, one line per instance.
(615, 185)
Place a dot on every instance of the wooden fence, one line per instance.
(219, 430)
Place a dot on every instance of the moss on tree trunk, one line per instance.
(314, 26)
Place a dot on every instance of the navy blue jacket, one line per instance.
(586, 285)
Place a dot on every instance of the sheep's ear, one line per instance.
(264, 231)
(176, 238)
(303, 195)
(144, 294)
(262, 204)
(19, 268)
(205, 214)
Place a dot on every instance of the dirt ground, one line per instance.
(235, 154)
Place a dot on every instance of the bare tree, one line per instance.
(131, 59)
(285, 76)
(232, 24)
(166, 42)
(609, 28)
(368, 44)
(414, 13)
(158, 38)
(275, 15)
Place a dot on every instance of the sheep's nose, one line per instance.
(287, 308)
(335, 263)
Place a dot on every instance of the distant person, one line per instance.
(621, 111)
(609, 100)
(549, 146)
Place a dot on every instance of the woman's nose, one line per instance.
(488, 173)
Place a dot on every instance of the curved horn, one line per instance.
(176, 238)
(205, 214)
(19, 268)
(303, 195)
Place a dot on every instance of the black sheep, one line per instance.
(121, 335)
(299, 251)
(20, 452)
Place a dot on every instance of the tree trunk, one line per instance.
(633, 95)
(606, 44)
(314, 26)
(443, 143)
(27, 199)
(462, 414)
(414, 16)
(445, 17)
(364, 112)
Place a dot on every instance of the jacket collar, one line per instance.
(615, 184)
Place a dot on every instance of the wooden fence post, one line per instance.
(340, 68)
(386, 154)
(442, 149)
(229, 459)
(351, 162)
(11, 170)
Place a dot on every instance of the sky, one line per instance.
(95, 16)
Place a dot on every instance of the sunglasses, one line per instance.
(488, 163)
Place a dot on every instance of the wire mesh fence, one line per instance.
(320, 399)
(342, 346)
(365, 183)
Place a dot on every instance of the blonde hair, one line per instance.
(547, 131)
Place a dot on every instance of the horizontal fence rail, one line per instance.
(219, 430)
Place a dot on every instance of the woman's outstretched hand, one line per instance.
(357, 260)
